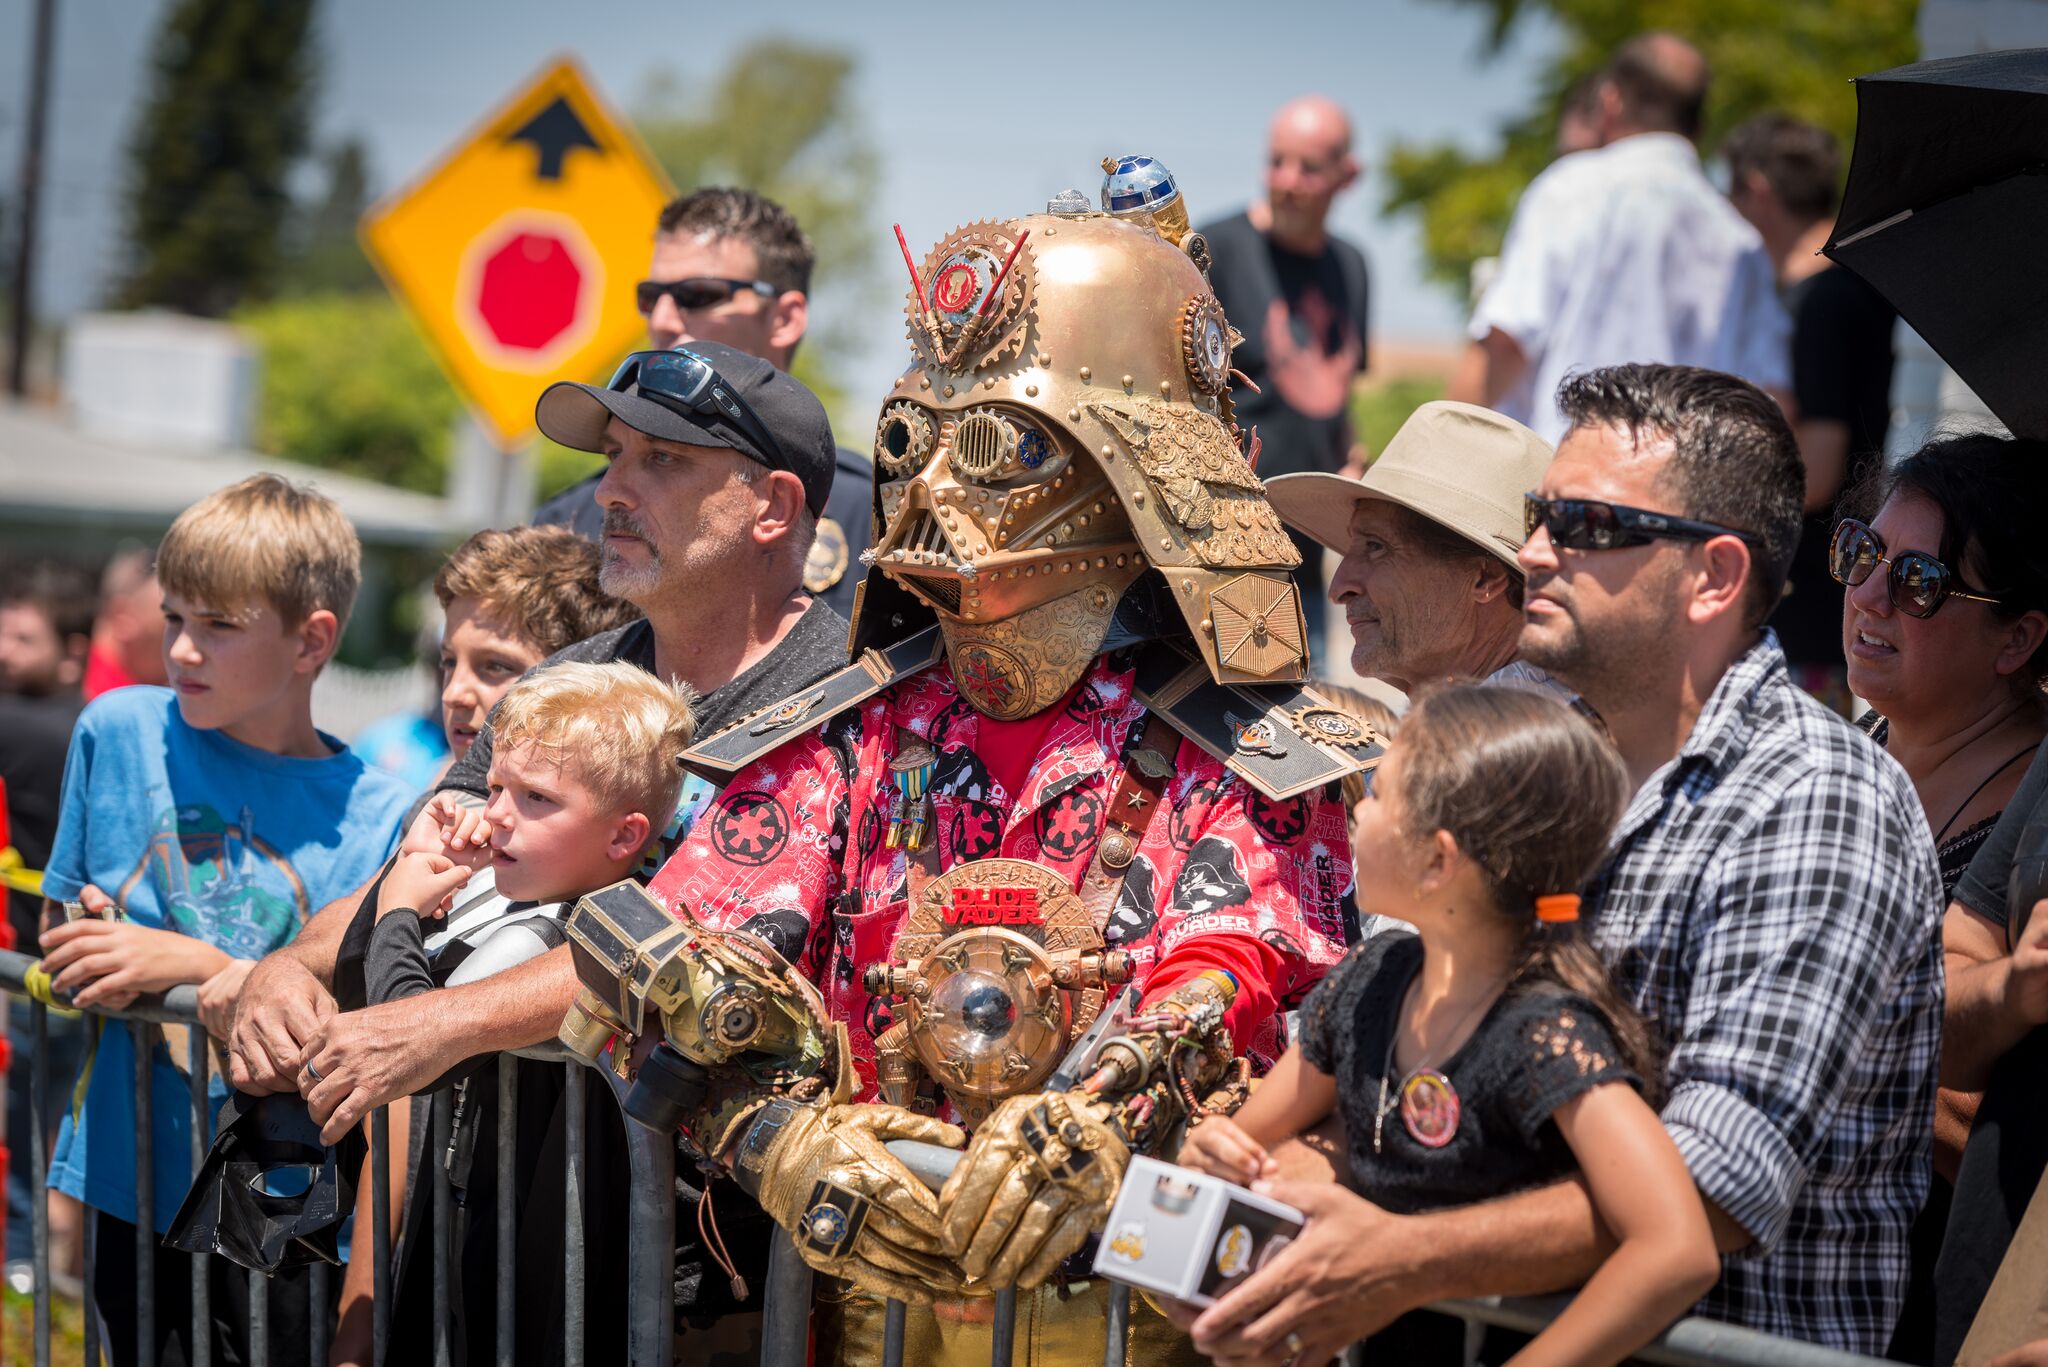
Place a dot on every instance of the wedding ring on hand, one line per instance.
(1294, 1345)
(311, 1071)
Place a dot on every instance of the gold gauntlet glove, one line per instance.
(1036, 1180)
(822, 1174)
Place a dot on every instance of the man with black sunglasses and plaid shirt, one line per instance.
(1771, 902)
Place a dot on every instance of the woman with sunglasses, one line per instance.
(1945, 626)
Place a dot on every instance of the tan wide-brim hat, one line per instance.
(1459, 465)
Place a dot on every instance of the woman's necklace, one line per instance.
(1428, 1103)
(1964, 805)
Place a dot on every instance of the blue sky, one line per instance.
(982, 112)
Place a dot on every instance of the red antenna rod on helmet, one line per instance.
(916, 285)
(995, 288)
(924, 310)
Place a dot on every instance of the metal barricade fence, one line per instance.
(650, 1232)
(650, 1214)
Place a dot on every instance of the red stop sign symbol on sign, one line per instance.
(530, 284)
(528, 290)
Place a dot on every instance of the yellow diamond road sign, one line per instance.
(516, 254)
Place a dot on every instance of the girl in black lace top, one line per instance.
(1487, 1052)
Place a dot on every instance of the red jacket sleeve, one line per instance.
(1253, 964)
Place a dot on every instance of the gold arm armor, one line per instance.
(737, 1024)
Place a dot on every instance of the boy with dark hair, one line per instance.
(201, 824)
(511, 599)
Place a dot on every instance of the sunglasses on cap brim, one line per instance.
(1585, 524)
(1916, 582)
(687, 384)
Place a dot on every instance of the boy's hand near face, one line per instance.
(451, 825)
(422, 882)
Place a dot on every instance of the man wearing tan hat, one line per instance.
(1428, 579)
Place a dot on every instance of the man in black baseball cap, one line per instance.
(705, 394)
(717, 467)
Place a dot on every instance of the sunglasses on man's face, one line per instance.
(698, 291)
(1916, 582)
(1584, 524)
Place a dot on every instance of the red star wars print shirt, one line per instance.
(793, 851)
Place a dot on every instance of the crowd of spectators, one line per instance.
(1746, 1020)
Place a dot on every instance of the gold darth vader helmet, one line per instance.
(1064, 429)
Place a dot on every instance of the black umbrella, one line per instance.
(1946, 213)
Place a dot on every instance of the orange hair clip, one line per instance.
(1557, 907)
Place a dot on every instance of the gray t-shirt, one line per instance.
(2001, 1165)
(1983, 889)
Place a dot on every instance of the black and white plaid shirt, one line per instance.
(1773, 906)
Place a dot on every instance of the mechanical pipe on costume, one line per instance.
(1058, 476)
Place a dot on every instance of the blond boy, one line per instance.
(585, 774)
(200, 825)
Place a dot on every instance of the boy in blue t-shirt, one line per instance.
(201, 825)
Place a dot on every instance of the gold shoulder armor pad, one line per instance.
(720, 756)
(1283, 739)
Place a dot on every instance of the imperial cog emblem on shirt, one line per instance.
(749, 828)
(1335, 727)
(1205, 343)
(1067, 824)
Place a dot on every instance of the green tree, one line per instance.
(213, 150)
(324, 255)
(1792, 56)
(348, 385)
(782, 119)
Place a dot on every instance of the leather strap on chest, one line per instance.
(1139, 795)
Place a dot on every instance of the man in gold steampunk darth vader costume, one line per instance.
(1071, 769)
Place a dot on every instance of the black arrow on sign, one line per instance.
(553, 132)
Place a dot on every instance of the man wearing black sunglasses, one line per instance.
(733, 267)
(1771, 900)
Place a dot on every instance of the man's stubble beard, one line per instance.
(713, 562)
(629, 583)
(1416, 646)
(1627, 656)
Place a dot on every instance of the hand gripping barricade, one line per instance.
(1063, 513)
